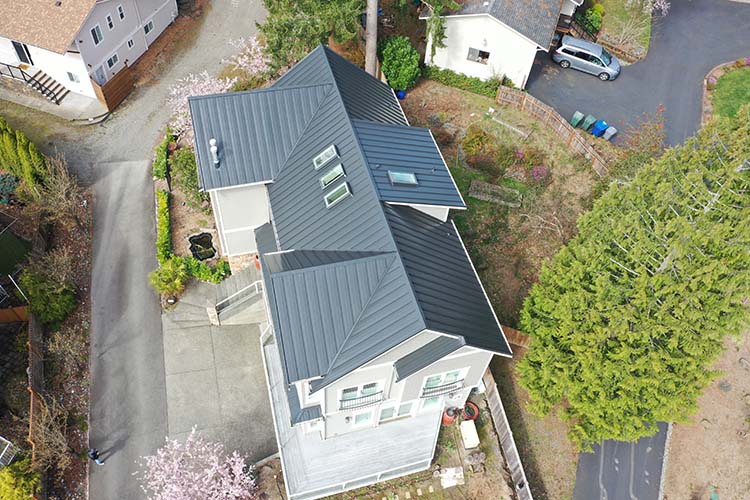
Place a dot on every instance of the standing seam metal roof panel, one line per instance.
(429, 353)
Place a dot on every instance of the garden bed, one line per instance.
(627, 28)
(725, 89)
(509, 245)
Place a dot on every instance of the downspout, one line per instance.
(140, 21)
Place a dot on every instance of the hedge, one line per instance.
(471, 83)
(50, 302)
(163, 227)
(20, 157)
(19, 481)
(162, 156)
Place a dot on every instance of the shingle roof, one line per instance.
(338, 286)
(534, 19)
(43, 23)
(407, 149)
(429, 353)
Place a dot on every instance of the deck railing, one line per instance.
(361, 402)
(19, 74)
(439, 390)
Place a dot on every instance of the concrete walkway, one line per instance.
(694, 37)
(72, 107)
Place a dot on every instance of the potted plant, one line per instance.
(400, 64)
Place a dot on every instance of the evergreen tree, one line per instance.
(295, 27)
(627, 319)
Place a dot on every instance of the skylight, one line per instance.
(326, 155)
(331, 176)
(400, 178)
(339, 193)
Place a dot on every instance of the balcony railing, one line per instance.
(17, 73)
(361, 402)
(439, 390)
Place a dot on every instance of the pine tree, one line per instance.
(627, 319)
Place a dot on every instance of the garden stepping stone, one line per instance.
(744, 363)
(495, 194)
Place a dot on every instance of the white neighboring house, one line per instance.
(496, 38)
(60, 46)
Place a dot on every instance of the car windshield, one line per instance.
(606, 57)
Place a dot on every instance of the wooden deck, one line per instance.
(314, 468)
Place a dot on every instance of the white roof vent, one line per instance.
(214, 152)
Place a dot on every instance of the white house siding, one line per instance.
(568, 7)
(137, 14)
(238, 211)
(511, 54)
(55, 65)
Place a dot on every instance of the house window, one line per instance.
(443, 383)
(331, 176)
(339, 193)
(326, 155)
(149, 26)
(112, 60)
(480, 56)
(387, 413)
(73, 77)
(96, 35)
(130, 43)
(400, 178)
(430, 403)
(121, 12)
(363, 418)
(405, 409)
(360, 396)
(110, 23)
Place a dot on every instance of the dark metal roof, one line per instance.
(407, 149)
(341, 290)
(299, 414)
(447, 288)
(534, 19)
(255, 132)
(426, 355)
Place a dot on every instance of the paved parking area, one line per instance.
(694, 37)
(215, 380)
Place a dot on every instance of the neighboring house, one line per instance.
(376, 318)
(496, 38)
(60, 46)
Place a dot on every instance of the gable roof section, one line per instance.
(448, 290)
(429, 353)
(534, 19)
(255, 131)
(42, 23)
(407, 149)
(334, 309)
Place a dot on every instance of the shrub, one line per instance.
(202, 271)
(51, 302)
(185, 174)
(591, 18)
(8, 185)
(532, 157)
(18, 481)
(60, 200)
(473, 84)
(539, 174)
(400, 63)
(170, 278)
(20, 157)
(442, 136)
(162, 155)
(485, 162)
(163, 227)
(475, 141)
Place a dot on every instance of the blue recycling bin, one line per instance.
(599, 127)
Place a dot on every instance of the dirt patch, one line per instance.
(270, 480)
(187, 221)
(714, 449)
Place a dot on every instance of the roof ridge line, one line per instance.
(257, 91)
(332, 264)
(359, 316)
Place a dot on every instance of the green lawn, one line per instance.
(617, 16)
(732, 91)
(13, 251)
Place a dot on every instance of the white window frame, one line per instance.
(379, 387)
(462, 372)
(116, 60)
(338, 169)
(147, 29)
(97, 29)
(344, 196)
(369, 422)
(392, 406)
(476, 58)
(325, 156)
(110, 22)
(131, 43)
(423, 405)
(73, 77)
(120, 12)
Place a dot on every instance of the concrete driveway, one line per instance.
(622, 471)
(694, 37)
(128, 381)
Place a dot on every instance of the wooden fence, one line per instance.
(507, 443)
(13, 314)
(36, 387)
(536, 108)
(516, 337)
(112, 93)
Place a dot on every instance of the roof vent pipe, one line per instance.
(214, 152)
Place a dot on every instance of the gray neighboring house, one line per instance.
(375, 318)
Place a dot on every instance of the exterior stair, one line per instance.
(48, 87)
(239, 298)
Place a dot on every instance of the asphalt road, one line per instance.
(622, 471)
(694, 37)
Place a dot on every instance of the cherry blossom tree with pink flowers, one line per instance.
(192, 85)
(251, 57)
(196, 469)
